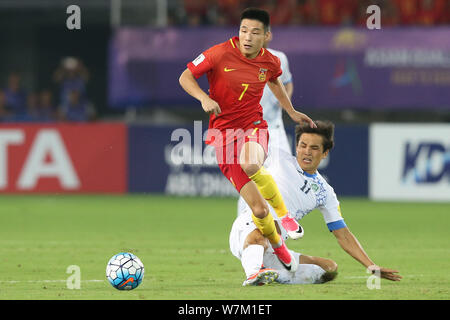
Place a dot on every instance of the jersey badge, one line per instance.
(262, 74)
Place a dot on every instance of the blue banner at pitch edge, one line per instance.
(176, 161)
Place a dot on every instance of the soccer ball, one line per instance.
(125, 271)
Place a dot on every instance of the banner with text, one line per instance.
(391, 68)
(410, 162)
(176, 161)
(63, 158)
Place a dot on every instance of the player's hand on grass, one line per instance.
(390, 274)
(301, 117)
(385, 273)
(210, 106)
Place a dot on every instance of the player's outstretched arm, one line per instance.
(351, 245)
(279, 91)
(190, 85)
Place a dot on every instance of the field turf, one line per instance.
(183, 243)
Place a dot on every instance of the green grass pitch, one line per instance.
(183, 243)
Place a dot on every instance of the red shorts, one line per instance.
(227, 153)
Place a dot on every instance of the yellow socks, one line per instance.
(269, 190)
(267, 226)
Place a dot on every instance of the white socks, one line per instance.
(252, 259)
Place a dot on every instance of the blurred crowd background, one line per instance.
(49, 73)
(314, 12)
(67, 100)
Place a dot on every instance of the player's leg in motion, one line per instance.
(260, 213)
(251, 159)
(252, 261)
(266, 224)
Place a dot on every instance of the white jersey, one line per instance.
(271, 109)
(302, 192)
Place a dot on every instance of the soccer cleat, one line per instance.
(294, 230)
(286, 257)
(262, 277)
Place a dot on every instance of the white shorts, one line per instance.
(241, 228)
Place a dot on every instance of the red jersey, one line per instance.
(236, 83)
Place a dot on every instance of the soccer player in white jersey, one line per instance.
(303, 190)
(271, 107)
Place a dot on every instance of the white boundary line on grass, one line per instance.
(365, 277)
(45, 281)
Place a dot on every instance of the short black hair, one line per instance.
(257, 14)
(324, 128)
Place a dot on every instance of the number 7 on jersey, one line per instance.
(245, 85)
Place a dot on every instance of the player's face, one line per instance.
(310, 152)
(251, 37)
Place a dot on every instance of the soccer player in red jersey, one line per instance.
(237, 71)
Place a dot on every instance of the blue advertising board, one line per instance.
(175, 161)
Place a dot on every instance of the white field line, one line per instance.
(44, 281)
(368, 275)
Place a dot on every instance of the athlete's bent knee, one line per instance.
(255, 238)
(260, 211)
